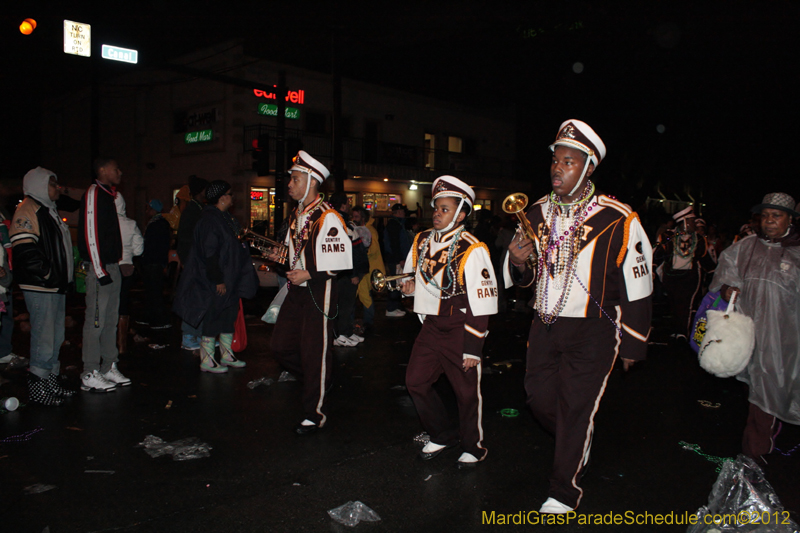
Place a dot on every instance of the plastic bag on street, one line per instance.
(271, 316)
(743, 501)
(180, 450)
(260, 381)
(352, 513)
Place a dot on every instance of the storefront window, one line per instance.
(262, 209)
(379, 201)
(482, 204)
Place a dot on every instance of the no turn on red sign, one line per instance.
(77, 38)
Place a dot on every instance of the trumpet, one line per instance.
(380, 281)
(515, 204)
(263, 244)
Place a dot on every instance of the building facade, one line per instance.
(164, 125)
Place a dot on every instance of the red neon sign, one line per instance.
(295, 97)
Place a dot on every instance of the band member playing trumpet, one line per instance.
(455, 292)
(319, 247)
(591, 267)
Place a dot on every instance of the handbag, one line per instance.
(271, 316)
(711, 302)
(239, 331)
(728, 342)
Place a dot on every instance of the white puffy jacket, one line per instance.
(132, 240)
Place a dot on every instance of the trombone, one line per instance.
(380, 281)
(515, 204)
(268, 246)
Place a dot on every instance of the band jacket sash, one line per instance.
(615, 265)
(472, 275)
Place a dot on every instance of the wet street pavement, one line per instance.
(261, 476)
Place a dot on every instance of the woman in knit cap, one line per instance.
(218, 273)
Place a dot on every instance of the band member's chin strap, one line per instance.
(583, 174)
(455, 218)
(305, 194)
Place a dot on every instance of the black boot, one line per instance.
(40, 391)
(55, 385)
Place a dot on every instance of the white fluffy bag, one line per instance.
(728, 342)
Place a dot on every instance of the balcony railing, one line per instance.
(362, 154)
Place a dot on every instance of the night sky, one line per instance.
(721, 78)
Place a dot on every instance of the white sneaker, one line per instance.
(357, 338)
(553, 506)
(96, 381)
(8, 358)
(115, 376)
(397, 313)
(341, 340)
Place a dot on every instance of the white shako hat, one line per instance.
(450, 186)
(305, 163)
(577, 134)
(680, 216)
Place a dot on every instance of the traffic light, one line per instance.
(27, 26)
(261, 154)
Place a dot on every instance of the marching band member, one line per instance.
(591, 265)
(455, 292)
(318, 248)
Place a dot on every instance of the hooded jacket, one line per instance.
(42, 245)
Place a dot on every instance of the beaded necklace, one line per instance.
(299, 236)
(449, 270)
(676, 245)
(561, 248)
(298, 247)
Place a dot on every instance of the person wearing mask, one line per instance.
(683, 261)
(132, 246)
(219, 273)
(44, 267)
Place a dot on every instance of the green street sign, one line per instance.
(116, 53)
(198, 136)
(272, 111)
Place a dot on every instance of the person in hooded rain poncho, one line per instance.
(765, 268)
(43, 267)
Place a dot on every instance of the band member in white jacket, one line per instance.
(455, 292)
